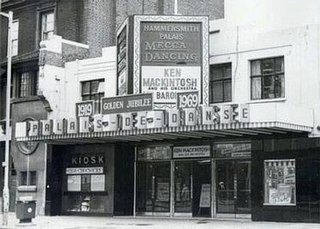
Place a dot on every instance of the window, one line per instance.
(47, 25)
(93, 90)
(28, 178)
(14, 37)
(220, 83)
(280, 182)
(86, 183)
(27, 84)
(267, 78)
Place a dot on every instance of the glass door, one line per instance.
(183, 188)
(233, 187)
(153, 187)
(192, 188)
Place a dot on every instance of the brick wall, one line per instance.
(213, 8)
(27, 31)
(68, 19)
(98, 25)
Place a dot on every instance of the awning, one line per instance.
(218, 131)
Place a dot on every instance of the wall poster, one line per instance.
(280, 182)
(74, 183)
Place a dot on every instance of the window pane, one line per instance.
(101, 87)
(94, 86)
(47, 25)
(279, 86)
(279, 64)
(227, 72)
(267, 66)
(33, 178)
(14, 47)
(217, 91)
(25, 83)
(217, 73)
(23, 178)
(255, 68)
(227, 91)
(279, 182)
(86, 88)
(268, 87)
(256, 88)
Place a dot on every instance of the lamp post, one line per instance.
(5, 164)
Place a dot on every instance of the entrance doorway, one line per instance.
(192, 192)
(153, 188)
(233, 187)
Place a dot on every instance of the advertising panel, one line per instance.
(170, 57)
(166, 82)
(122, 104)
(122, 59)
(191, 151)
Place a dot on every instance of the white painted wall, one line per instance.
(300, 48)
(271, 14)
(89, 69)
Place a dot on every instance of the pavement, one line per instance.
(85, 222)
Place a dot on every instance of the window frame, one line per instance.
(91, 95)
(31, 86)
(42, 30)
(263, 76)
(28, 178)
(224, 80)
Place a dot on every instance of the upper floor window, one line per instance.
(267, 78)
(93, 90)
(27, 84)
(47, 25)
(220, 83)
(14, 37)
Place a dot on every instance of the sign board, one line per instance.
(191, 151)
(85, 108)
(170, 56)
(122, 59)
(129, 103)
(188, 99)
(205, 196)
(165, 82)
(84, 170)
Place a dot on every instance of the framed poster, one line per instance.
(98, 183)
(74, 183)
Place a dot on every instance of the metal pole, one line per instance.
(7, 145)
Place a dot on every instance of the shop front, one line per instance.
(207, 180)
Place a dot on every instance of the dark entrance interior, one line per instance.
(54, 182)
(233, 187)
(153, 188)
(201, 188)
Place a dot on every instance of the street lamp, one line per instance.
(5, 164)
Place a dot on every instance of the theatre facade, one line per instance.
(183, 129)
